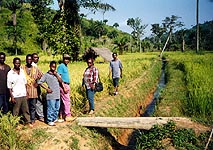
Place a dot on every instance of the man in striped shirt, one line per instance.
(54, 81)
(32, 74)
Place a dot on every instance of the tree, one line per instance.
(105, 7)
(158, 31)
(13, 5)
(115, 25)
(121, 43)
(43, 16)
(170, 23)
(138, 29)
(70, 22)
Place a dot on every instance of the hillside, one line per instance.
(29, 37)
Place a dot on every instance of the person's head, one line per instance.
(90, 62)
(53, 66)
(114, 55)
(17, 63)
(29, 59)
(66, 58)
(35, 57)
(2, 57)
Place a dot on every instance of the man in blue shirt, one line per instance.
(63, 71)
(115, 68)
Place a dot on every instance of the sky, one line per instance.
(152, 11)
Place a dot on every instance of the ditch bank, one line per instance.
(128, 136)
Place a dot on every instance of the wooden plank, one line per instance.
(127, 122)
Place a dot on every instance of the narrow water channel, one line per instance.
(151, 107)
(161, 84)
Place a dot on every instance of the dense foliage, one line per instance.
(168, 136)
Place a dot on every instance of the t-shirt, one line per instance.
(116, 65)
(4, 69)
(64, 72)
(53, 84)
(17, 82)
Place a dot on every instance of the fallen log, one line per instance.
(128, 122)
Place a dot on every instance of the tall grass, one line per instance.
(198, 71)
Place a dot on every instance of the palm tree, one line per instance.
(105, 7)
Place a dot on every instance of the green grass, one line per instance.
(189, 89)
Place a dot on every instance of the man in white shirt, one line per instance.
(16, 83)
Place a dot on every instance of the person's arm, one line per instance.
(9, 86)
(46, 88)
(40, 83)
(110, 70)
(95, 78)
(60, 81)
(11, 96)
(121, 69)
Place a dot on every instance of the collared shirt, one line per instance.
(116, 65)
(31, 80)
(64, 72)
(4, 69)
(53, 84)
(17, 82)
(34, 64)
(90, 76)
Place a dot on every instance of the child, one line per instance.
(54, 82)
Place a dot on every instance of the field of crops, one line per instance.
(198, 76)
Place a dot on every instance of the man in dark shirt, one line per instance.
(4, 93)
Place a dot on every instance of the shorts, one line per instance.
(115, 82)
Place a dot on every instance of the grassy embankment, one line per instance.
(188, 93)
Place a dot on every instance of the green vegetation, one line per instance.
(192, 75)
(10, 138)
(188, 93)
(169, 136)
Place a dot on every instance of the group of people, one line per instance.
(22, 85)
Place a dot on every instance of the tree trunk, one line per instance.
(132, 122)
(14, 18)
(140, 46)
(44, 45)
(197, 20)
(167, 40)
(15, 41)
(183, 45)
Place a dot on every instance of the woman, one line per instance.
(90, 78)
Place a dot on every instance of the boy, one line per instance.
(54, 82)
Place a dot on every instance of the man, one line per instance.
(4, 93)
(115, 68)
(39, 103)
(16, 82)
(65, 95)
(32, 75)
(53, 81)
